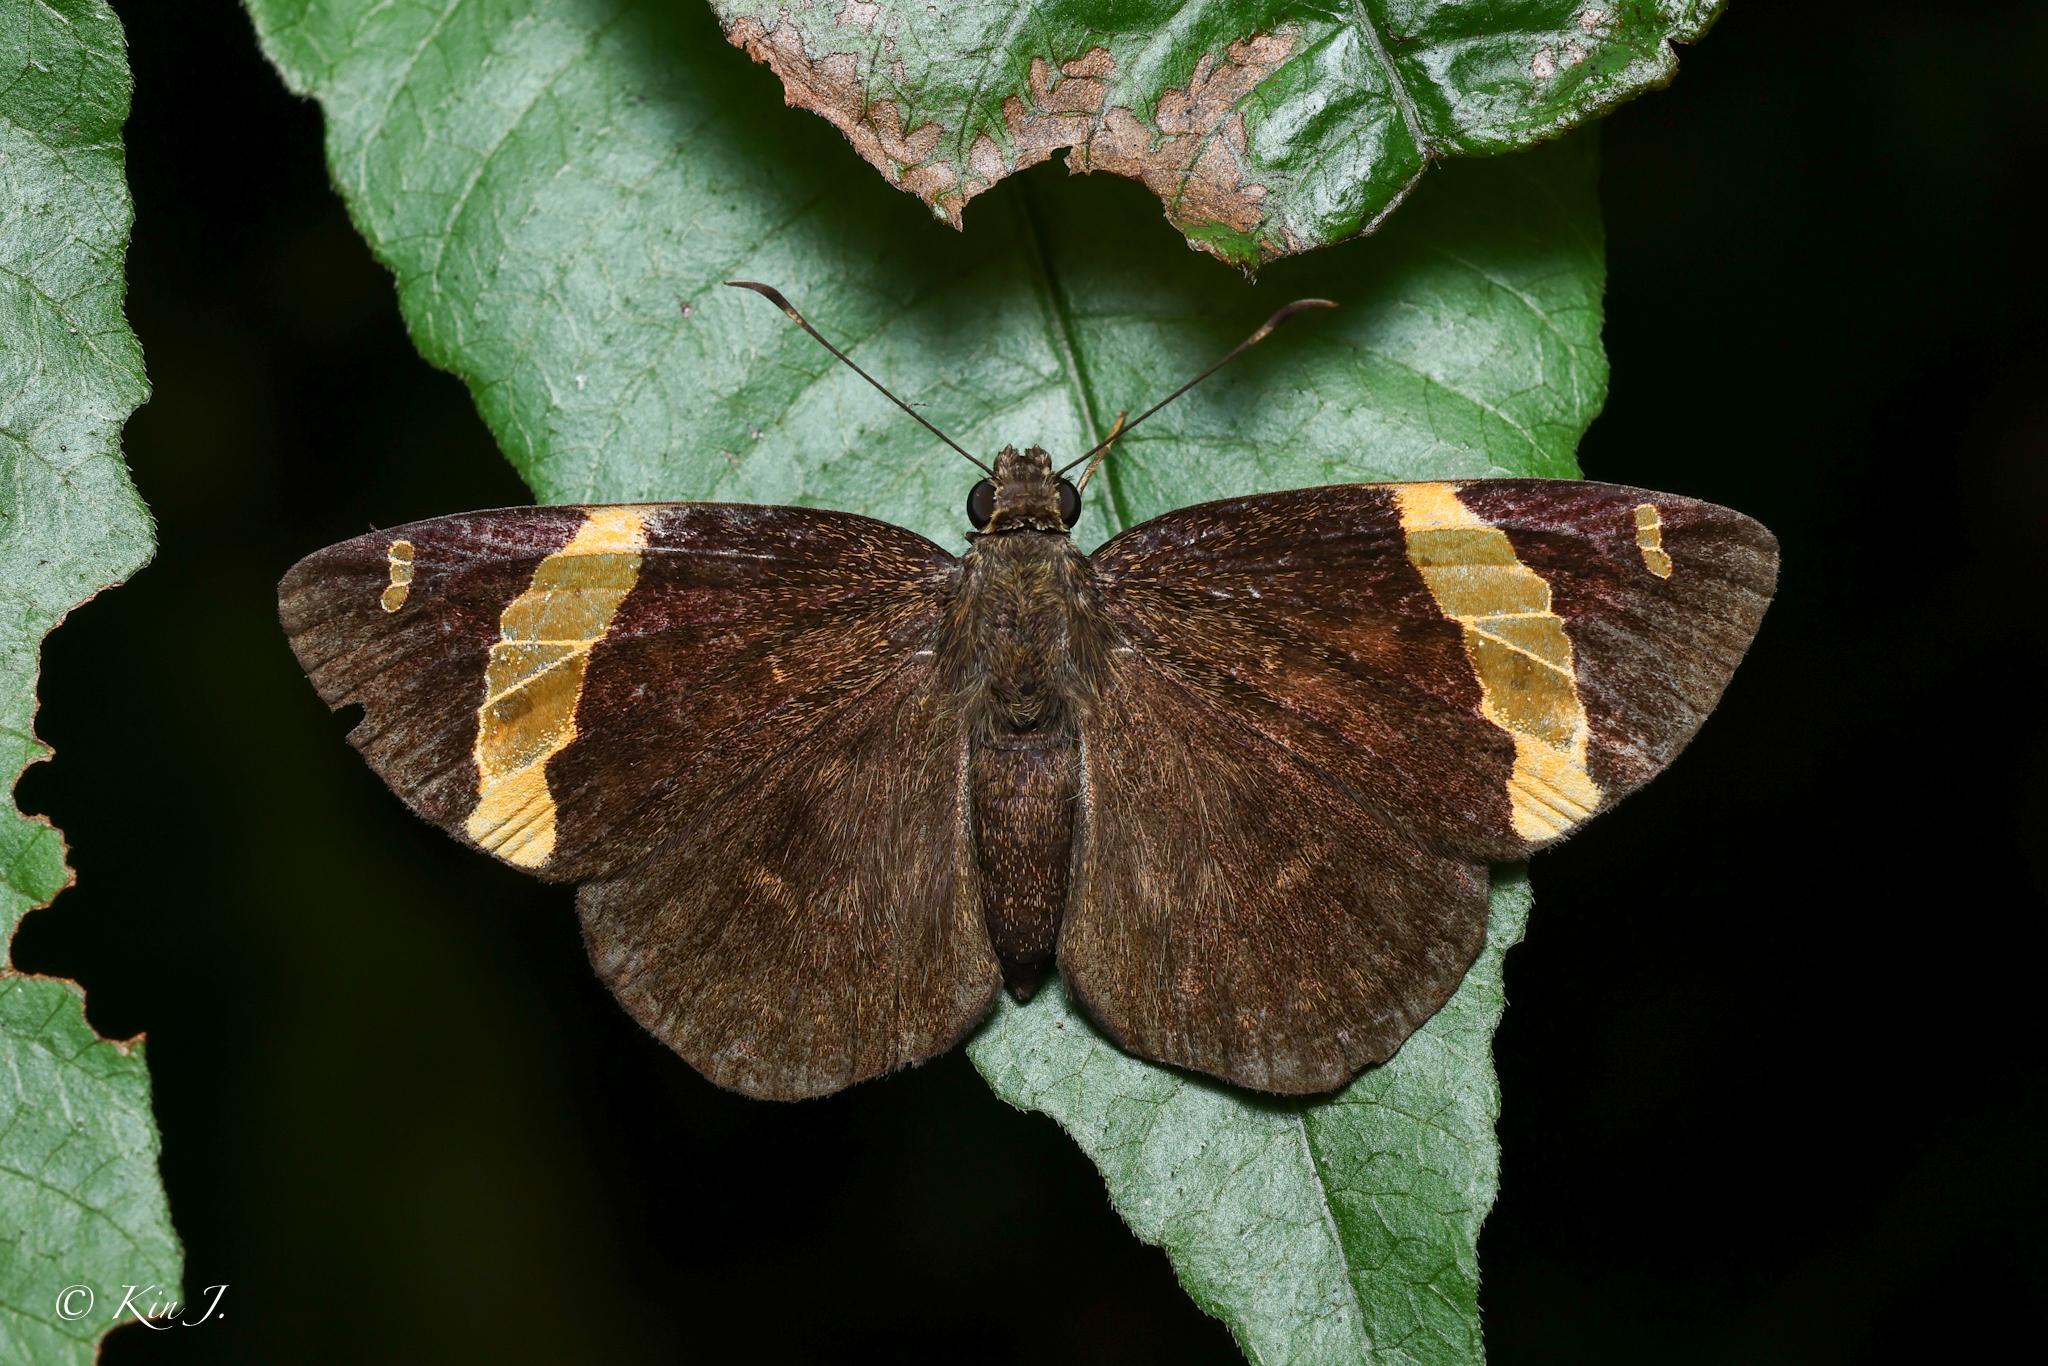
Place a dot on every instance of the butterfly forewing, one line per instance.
(1491, 662)
(1658, 597)
(673, 640)
(405, 623)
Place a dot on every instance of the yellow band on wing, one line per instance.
(399, 558)
(535, 679)
(1528, 685)
(1650, 540)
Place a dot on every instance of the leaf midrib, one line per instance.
(1059, 326)
(1336, 1235)
(1370, 25)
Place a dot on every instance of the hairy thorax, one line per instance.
(1027, 641)
(1026, 623)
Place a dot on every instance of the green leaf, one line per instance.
(560, 187)
(80, 1199)
(1335, 1230)
(1265, 128)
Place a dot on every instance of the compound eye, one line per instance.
(981, 504)
(1070, 503)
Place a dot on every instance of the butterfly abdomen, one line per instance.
(1021, 644)
(1023, 791)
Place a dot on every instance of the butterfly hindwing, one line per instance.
(824, 924)
(1237, 911)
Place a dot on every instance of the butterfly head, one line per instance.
(1023, 495)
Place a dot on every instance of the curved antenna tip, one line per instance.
(1286, 312)
(774, 296)
(1264, 330)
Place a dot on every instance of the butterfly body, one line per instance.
(1239, 773)
(1024, 649)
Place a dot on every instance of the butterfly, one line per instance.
(826, 788)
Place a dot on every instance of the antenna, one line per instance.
(774, 296)
(1265, 330)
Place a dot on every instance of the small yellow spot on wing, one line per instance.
(1516, 643)
(1650, 540)
(535, 679)
(399, 557)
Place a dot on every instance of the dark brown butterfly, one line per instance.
(1239, 773)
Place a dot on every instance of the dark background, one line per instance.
(1769, 1071)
